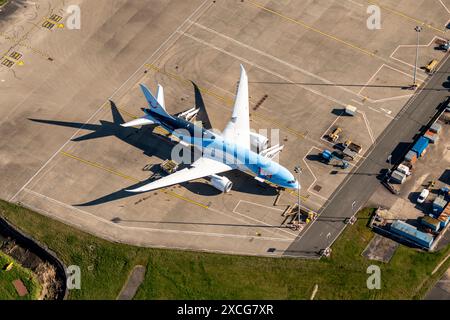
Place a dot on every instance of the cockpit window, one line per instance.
(292, 181)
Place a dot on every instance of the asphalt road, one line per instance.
(357, 189)
(441, 291)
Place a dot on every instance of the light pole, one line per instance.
(418, 29)
(298, 171)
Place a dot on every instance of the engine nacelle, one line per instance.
(258, 141)
(221, 183)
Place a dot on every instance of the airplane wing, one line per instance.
(203, 167)
(238, 129)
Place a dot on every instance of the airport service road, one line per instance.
(358, 187)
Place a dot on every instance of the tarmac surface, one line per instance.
(65, 91)
(441, 291)
(360, 186)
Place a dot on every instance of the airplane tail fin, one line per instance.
(155, 105)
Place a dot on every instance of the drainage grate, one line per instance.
(15, 55)
(55, 18)
(47, 24)
(7, 63)
(317, 188)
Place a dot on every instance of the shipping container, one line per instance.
(411, 233)
(432, 223)
(420, 146)
(439, 204)
(443, 219)
(411, 156)
(350, 110)
(436, 127)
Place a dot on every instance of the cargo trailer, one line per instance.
(430, 222)
(420, 146)
(411, 233)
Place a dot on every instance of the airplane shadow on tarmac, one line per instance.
(152, 145)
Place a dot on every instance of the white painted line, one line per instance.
(259, 221)
(413, 46)
(283, 62)
(369, 129)
(117, 90)
(356, 101)
(444, 6)
(152, 245)
(358, 4)
(212, 234)
(370, 79)
(393, 98)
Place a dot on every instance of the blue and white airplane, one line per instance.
(230, 150)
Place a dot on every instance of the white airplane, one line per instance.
(230, 150)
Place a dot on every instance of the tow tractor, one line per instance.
(330, 158)
(443, 44)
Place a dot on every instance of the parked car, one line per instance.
(423, 196)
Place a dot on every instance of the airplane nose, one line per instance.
(295, 185)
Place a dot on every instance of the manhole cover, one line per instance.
(317, 188)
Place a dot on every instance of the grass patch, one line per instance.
(173, 274)
(7, 290)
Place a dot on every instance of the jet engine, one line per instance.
(258, 141)
(221, 183)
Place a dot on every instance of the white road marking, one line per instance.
(357, 3)
(444, 6)
(256, 220)
(369, 129)
(413, 46)
(213, 234)
(283, 62)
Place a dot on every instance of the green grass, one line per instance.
(2, 2)
(7, 290)
(173, 274)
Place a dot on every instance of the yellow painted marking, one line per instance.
(226, 100)
(61, 25)
(401, 14)
(301, 23)
(127, 177)
(97, 165)
(20, 63)
(185, 199)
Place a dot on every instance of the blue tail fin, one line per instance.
(153, 103)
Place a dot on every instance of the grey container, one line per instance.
(436, 128)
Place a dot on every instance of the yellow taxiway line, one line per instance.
(306, 26)
(127, 177)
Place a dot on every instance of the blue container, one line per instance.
(420, 146)
(411, 233)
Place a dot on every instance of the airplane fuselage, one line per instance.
(212, 145)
